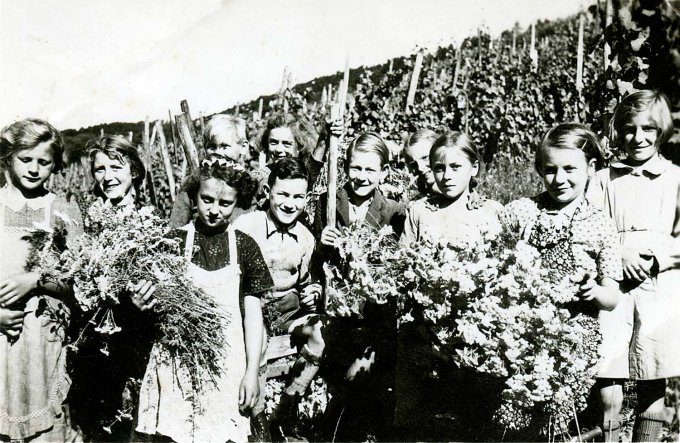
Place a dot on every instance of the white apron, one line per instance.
(166, 400)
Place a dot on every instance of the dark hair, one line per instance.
(287, 169)
(304, 133)
(27, 134)
(119, 148)
(460, 141)
(229, 172)
(369, 142)
(655, 102)
(570, 136)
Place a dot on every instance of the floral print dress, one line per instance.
(575, 240)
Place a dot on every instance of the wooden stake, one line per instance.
(479, 45)
(173, 132)
(165, 155)
(457, 70)
(608, 16)
(260, 109)
(130, 136)
(332, 172)
(342, 91)
(201, 123)
(414, 80)
(533, 54)
(190, 122)
(190, 152)
(150, 186)
(514, 42)
(579, 55)
(391, 68)
(324, 96)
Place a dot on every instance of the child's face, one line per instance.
(281, 144)
(113, 176)
(639, 137)
(365, 173)
(30, 168)
(566, 173)
(225, 143)
(216, 202)
(453, 171)
(417, 159)
(287, 199)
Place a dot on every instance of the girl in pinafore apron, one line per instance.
(33, 378)
(228, 265)
(640, 193)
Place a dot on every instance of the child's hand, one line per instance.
(336, 127)
(14, 288)
(330, 236)
(636, 267)
(588, 287)
(142, 295)
(605, 294)
(310, 295)
(11, 322)
(249, 391)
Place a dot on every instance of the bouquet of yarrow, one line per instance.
(122, 246)
(489, 306)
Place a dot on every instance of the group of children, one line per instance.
(251, 246)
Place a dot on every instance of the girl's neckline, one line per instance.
(208, 231)
(15, 199)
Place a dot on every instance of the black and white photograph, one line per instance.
(339, 221)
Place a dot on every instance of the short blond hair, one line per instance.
(654, 102)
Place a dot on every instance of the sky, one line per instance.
(78, 63)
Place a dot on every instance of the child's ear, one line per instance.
(384, 173)
(592, 167)
(475, 168)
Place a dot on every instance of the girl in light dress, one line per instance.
(228, 265)
(33, 379)
(641, 194)
(576, 240)
(454, 214)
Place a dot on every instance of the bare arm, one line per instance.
(249, 391)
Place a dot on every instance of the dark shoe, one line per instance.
(259, 428)
(282, 420)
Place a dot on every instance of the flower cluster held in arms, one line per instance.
(122, 246)
(488, 305)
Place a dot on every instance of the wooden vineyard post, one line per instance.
(148, 180)
(391, 67)
(260, 106)
(190, 122)
(579, 65)
(130, 136)
(533, 54)
(456, 72)
(324, 97)
(190, 152)
(514, 41)
(414, 80)
(173, 133)
(342, 91)
(608, 14)
(165, 155)
(332, 171)
(579, 56)
(479, 46)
